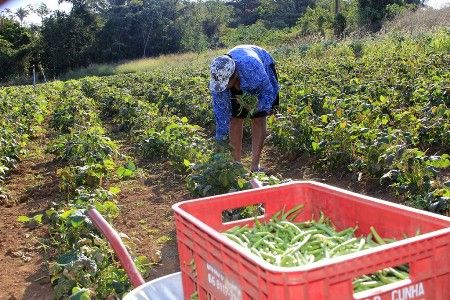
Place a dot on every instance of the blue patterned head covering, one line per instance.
(222, 67)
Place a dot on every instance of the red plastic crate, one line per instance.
(219, 269)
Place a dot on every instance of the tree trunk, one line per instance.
(146, 42)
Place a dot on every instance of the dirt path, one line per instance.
(32, 186)
(145, 203)
(147, 217)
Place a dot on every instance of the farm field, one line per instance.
(369, 115)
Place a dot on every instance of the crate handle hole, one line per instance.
(380, 278)
(243, 212)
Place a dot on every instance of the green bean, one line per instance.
(235, 239)
(376, 236)
(347, 231)
(324, 228)
(403, 268)
(262, 233)
(386, 240)
(291, 225)
(245, 238)
(297, 237)
(342, 245)
(399, 274)
(275, 216)
(362, 242)
(294, 211)
(267, 255)
(298, 246)
(256, 251)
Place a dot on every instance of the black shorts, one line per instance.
(238, 111)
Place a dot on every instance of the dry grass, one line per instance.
(163, 62)
(168, 61)
(421, 21)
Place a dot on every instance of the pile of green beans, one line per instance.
(283, 242)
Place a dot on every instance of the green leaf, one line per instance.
(23, 219)
(39, 118)
(445, 192)
(67, 258)
(38, 218)
(109, 164)
(184, 120)
(108, 208)
(186, 163)
(50, 212)
(77, 220)
(142, 263)
(121, 171)
(442, 161)
(114, 190)
(315, 146)
(66, 214)
(79, 294)
(241, 182)
(127, 171)
(131, 166)
(324, 118)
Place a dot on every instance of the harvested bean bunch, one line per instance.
(283, 242)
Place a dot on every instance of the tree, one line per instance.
(373, 12)
(282, 13)
(68, 40)
(22, 13)
(42, 11)
(16, 45)
(327, 18)
(245, 12)
(140, 28)
(201, 24)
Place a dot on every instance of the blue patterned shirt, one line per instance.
(256, 78)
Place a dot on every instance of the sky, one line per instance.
(53, 5)
(33, 18)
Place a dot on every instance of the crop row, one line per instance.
(81, 263)
(159, 134)
(379, 112)
(22, 111)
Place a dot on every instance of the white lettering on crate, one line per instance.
(408, 292)
(411, 292)
(224, 285)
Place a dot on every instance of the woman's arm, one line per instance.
(222, 113)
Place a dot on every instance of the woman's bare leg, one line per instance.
(236, 134)
(259, 126)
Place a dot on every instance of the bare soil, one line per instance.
(146, 215)
(31, 187)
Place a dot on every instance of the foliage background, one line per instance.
(113, 31)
